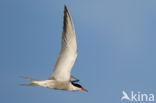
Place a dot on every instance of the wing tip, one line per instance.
(65, 8)
(66, 11)
(66, 15)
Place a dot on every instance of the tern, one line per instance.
(61, 78)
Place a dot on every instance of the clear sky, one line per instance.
(116, 46)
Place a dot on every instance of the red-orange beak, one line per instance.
(84, 89)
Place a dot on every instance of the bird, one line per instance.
(125, 96)
(61, 78)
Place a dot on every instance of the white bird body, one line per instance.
(53, 84)
(61, 78)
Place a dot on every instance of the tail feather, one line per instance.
(28, 78)
(33, 84)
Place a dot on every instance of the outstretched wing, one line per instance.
(68, 53)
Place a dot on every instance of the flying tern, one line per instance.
(61, 78)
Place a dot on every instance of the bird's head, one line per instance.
(79, 86)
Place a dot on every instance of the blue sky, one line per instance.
(116, 45)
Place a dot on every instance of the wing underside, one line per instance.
(68, 53)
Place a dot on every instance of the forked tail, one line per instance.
(34, 83)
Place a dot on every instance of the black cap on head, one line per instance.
(77, 85)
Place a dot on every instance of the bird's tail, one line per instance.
(34, 83)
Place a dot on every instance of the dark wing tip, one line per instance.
(67, 19)
(66, 14)
(65, 7)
